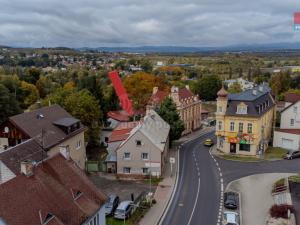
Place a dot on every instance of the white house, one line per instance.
(145, 150)
(288, 135)
(245, 84)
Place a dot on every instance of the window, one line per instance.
(78, 144)
(220, 109)
(245, 147)
(249, 128)
(106, 139)
(138, 143)
(145, 156)
(292, 123)
(220, 125)
(231, 126)
(241, 109)
(241, 127)
(295, 109)
(145, 170)
(127, 155)
(126, 170)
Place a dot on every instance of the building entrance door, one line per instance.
(232, 148)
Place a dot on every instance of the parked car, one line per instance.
(292, 155)
(231, 200)
(111, 204)
(230, 218)
(124, 210)
(208, 142)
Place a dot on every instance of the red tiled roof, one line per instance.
(158, 97)
(292, 97)
(290, 131)
(185, 93)
(122, 131)
(24, 199)
(119, 115)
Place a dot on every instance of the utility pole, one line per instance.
(262, 142)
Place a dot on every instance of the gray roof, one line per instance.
(252, 101)
(66, 122)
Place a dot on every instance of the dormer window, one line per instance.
(241, 109)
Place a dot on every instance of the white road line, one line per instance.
(196, 201)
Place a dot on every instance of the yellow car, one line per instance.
(208, 142)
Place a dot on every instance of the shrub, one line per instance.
(281, 211)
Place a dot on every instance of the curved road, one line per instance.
(197, 198)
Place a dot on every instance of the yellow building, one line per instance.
(244, 121)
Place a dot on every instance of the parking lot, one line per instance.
(108, 184)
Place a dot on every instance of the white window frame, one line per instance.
(127, 158)
(248, 128)
(146, 169)
(231, 126)
(78, 144)
(241, 125)
(242, 110)
(292, 122)
(129, 170)
(143, 154)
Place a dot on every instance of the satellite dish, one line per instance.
(6, 130)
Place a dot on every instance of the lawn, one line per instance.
(295, 179)
(275, 153)
(133, 220)
(241, 158)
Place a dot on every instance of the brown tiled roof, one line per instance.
(184, 93)
(119, 115)
(28, 150)
(33, 124)
(24, 199)
(292, 97)
(122, 131)
(290, 131)
(158, 97)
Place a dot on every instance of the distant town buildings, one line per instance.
(244, 121)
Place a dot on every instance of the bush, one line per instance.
(281, 211)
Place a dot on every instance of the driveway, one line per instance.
(110, 185)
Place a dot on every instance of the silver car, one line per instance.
(124, 210)
(230, 218)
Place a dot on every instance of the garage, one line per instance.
(287, 143)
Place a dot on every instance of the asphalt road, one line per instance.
(197, 198)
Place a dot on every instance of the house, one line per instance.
(244, 121)
(188, 106)
(288, 135)
(145, 150)
(119, 134)
(53, 127)
(289, 99)
(245, 84)
(54, 191)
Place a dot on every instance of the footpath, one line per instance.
(165, 189)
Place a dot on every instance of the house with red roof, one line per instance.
(188, 105)
(51, 191)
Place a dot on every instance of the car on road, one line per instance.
(292, 155)
(208, 142)
(230, 218)
(231, 200)
(124, 210)
(111, 204)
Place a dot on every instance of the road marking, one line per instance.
(196, 201)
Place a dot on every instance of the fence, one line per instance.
(95, 166)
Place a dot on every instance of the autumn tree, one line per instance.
(207, 87)
(29, 94)
(140, 86)
(8, 104)
(235, 88)
(280, 82)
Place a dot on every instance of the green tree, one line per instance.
(280, 82)
(147, 66)
(235, 88)
(30, 94)
(8, 104)
(168, 112)
(207, 87)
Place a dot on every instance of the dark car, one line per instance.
(292, 155)
(231, 200)
(111, 204)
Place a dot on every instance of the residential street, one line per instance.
(197, 199)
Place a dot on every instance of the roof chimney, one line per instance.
(254, 92)
(261, 88)
(27, 168)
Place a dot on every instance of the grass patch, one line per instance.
(241, 158)
(295, 179)
(134, 219)
(275, 153)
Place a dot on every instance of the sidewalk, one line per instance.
(165, 188)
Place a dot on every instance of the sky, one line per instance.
(116, 23)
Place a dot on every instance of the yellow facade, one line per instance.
(244, 135)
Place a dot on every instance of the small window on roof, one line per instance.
(242, 109)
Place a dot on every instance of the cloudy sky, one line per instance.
(94, 23)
